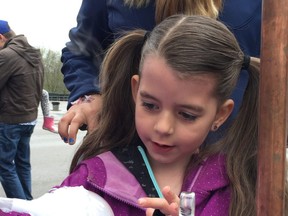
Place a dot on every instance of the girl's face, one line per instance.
(173, 116)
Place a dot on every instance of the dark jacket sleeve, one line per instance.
(83, 54)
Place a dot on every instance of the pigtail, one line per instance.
(254, 69)
(116, 124)
(241, 148)
(120, 64)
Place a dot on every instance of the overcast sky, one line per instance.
(45, 23)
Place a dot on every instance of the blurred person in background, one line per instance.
(48, 120)
(21, 84)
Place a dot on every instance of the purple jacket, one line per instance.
(108, 177)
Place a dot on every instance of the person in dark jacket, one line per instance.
(100, 22)
(21, 83)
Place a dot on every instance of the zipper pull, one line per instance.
(187, 204)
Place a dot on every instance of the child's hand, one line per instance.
(169, 205)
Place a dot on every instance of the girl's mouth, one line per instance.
(161, 148)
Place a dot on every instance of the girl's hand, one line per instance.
(169, 205)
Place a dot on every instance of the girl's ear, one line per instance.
(223, 113)
(135, 80)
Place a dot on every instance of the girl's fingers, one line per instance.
(158, 203)
(170, 196)
(169, 205)
(155, 203)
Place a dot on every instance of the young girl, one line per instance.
(183, 74)
(162, 93)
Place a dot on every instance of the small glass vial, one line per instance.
(187, 204)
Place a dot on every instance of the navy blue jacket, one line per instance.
(100, 21)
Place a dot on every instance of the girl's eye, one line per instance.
(149, 106)
(187, 116)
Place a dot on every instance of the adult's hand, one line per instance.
(83, 112)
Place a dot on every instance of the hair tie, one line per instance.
(146, 36)
(246, 62)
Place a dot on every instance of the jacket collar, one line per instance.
(132, 160)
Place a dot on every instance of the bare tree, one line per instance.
(53, 78)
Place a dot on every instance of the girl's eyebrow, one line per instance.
(195, 108)
(147, 95)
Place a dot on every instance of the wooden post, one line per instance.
(273, 101)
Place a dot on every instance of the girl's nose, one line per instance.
(165, 124)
